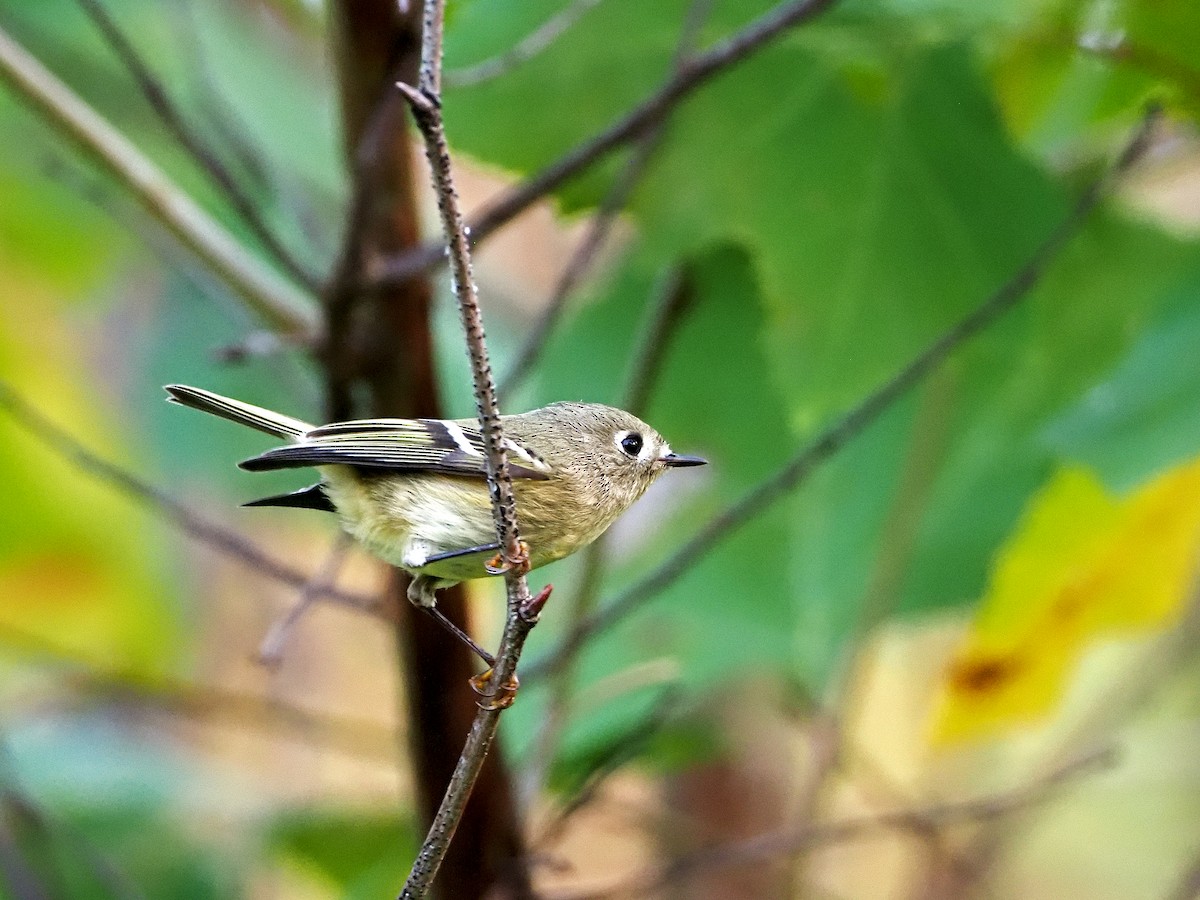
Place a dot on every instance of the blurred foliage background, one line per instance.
(988, 595)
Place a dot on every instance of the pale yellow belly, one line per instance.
(405, 520)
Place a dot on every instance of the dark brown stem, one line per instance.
(380, 348)
(193, 143)
(683, 82)
(795, 471)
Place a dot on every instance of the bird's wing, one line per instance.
(414, 445)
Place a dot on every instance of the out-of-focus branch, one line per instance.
(281, 305)
(204, 703)
(698, 71)
(521, 52)
(585, 254)
(602, 222)
(19, 811)
(193, 143)
(798, 840)
(849, 426)
(270, 651)
(221, 539)
(425, 101)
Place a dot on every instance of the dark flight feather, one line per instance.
(311, 497)
(415, 445)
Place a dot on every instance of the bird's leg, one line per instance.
(502, 696)
(498, 565)
(421, 593)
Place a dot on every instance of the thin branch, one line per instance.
(602, 222)
(281, 304)
(675, 298)
(790, 841)
(694, 75)
(193, 143)
(524, 50)
(256, 345)
(852, 424)
(204, 702)
(585, 254)
(425, 101)
(219, 538)
(270, 652)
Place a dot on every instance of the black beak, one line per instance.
(674, 459)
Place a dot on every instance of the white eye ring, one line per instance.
(632, 444)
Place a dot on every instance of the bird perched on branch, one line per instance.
(414, 491)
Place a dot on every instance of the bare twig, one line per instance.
(695, 74)
(675, 298)
(281, 304)
(191, 140)
(425, 101)
(380, 351)
(521, 52)
(218, 113)
(257, 345)
(807, 837)
(222, 539)
(270, 652)
(850, 425)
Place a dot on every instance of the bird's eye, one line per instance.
(632, 444)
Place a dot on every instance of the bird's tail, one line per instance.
(237, 411)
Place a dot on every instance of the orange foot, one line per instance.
(498, 565)
(493, 697)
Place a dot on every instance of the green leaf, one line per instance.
(1145, 415)
(363, 854)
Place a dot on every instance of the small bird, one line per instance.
(414, 491)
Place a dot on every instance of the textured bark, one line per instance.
(380, 344)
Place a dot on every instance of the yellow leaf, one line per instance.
(1081, 567)
(78, 564)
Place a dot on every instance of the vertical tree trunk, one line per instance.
(381, 344)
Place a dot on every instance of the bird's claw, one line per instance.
(498, 565)
(494, 696)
